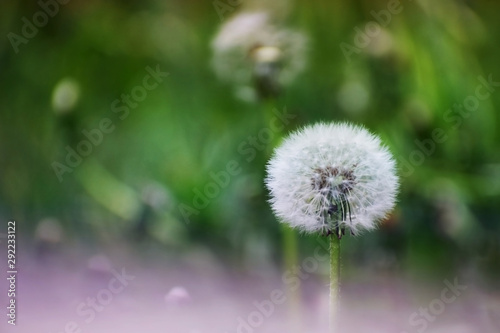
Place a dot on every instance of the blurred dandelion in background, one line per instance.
(49, 230)
(353, 97)
(382, 44)
(65, 96)
(49, 236)
(177, 296)
(99, 264)
(257, 56)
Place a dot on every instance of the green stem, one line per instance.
(334, 281)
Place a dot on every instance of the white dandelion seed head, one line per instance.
(329, 176)
(251, 37)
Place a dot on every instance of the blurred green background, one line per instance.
(130, 188)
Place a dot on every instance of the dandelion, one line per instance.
(353, 96)
(258, 57)
(330, 178)
(65, 96)
(382, 44)
(99, 264)
(177, 296)
(49, 236)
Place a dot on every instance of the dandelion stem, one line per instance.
(334, 281)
